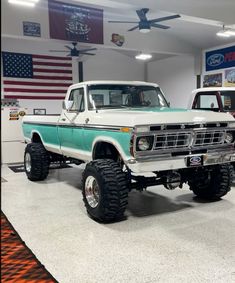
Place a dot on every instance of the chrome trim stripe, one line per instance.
(41, 123)
(86, 127)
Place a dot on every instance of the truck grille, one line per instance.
(208, 138)
(192, 139)
(171, 140)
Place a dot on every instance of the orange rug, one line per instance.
(18, 263)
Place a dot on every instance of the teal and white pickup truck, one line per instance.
(124, 131)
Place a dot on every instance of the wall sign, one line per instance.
(75, 23)
(220, 58)
(31, 29)
(230, 77)
(117, 39)
(212, 80)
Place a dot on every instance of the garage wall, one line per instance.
(111, 65)
(176, 77)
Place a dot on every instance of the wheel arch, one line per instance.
(36, 137)
(103, 143)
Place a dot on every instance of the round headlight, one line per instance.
(228, 137)
(143, 144)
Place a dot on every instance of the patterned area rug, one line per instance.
(20, 168)
(18, 263)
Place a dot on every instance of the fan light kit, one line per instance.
(144, 25)
(226, 32)
(29, 3)
(143, 56)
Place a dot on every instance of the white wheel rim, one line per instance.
(27, 162)
(92, 191)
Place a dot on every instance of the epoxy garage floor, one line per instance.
(168, 236)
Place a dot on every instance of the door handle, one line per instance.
(63, 119)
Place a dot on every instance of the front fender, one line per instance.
(122, 148)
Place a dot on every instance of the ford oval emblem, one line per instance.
(215, 60)
(195, 160)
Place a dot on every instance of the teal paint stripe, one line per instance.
(48, 132)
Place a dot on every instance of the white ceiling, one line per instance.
(199, 22)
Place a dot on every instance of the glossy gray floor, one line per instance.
(168, 236)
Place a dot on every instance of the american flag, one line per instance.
(28, 76)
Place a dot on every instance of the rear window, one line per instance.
(209, 100)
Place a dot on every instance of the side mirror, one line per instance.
(169, 104)
(67, 105)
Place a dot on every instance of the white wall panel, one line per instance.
(111, 65)
(176, 78)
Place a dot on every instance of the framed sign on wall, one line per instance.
(31, 29)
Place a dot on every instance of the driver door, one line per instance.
(71, 125)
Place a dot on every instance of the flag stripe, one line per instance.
(34, 97)
(51, 57)
(52, 71)
(41, 81)
(34, 90)
(52, 64)
(53, 77)
(52, 61)
(35, 84)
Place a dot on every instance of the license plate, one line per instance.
(193, 161)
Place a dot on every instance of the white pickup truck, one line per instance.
(124, 130)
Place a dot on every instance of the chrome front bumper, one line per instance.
(153, 164)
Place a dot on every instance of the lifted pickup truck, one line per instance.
(124, 131)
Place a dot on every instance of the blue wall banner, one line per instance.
(220, 58)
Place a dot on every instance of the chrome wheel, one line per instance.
(27, 162)
(92, 191)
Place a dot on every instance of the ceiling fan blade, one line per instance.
(88, 49)
(70, 48)
(142, 14)
(120, 22)
(159, 26)
(86, 53)
(135, 27)
(164, 19)
(58, 50)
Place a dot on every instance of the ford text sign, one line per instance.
(220, 59)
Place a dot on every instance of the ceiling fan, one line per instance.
(144, 24)
(74, 52)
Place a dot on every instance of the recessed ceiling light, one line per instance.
(222, 33)
(29, 3)
(226, 32)
(230, 32)
(143, 56)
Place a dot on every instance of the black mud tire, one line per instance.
(215, 184)
(112, 188)
(40, 162)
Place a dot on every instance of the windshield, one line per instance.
(124, 96)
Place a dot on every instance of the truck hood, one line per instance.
(146, 116)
